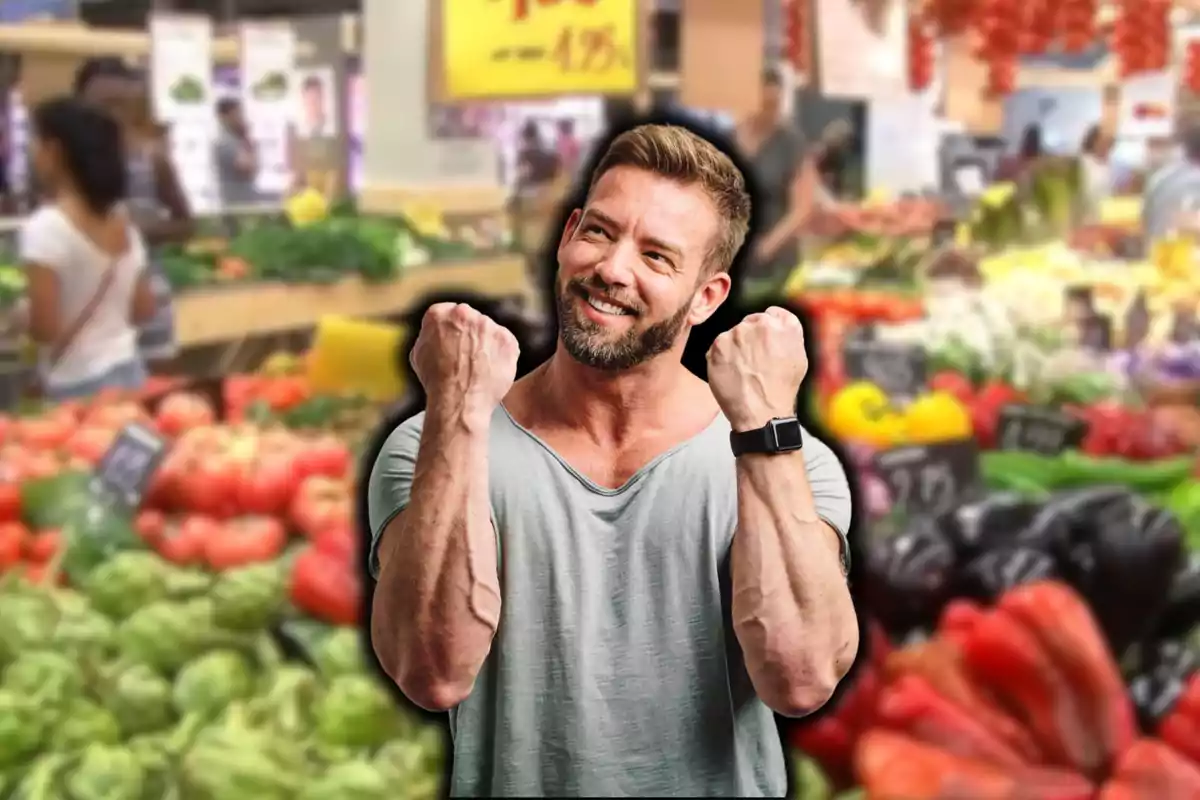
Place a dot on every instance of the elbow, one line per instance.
(803, 685)
(431, 693)
(802, 699)
(419, 683)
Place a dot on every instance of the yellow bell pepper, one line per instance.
(861, 413)
(937, 417)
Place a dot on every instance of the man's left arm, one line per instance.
(792, 611)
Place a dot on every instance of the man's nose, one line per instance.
(616, 269)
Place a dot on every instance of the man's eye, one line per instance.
(594, 230)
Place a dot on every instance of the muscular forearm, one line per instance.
(437, 603)
(792, 611)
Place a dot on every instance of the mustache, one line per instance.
(584, 286)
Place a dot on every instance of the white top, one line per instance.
(50, 239)
(1097, 184)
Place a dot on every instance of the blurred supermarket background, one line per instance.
(1009, 352)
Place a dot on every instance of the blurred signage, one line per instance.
(533, 48)
(29, 10)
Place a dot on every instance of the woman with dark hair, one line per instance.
(1095, 172)
(84, 259)
(156, 200)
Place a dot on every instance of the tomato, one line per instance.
(89, 443)
(268, 487)
(954, 384)
(337, 542)
(248, 540)
(39, 573)
(47, 432)
(210, 487)
(320, 504)
(150, 526)
(41, 547)
(116, 415)
(326, 588)
(184, 544)
(13, 536)
(325, 455)
(181, 411)
(10, 501)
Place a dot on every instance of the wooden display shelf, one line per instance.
(227, 315)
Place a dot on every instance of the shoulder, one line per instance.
(45, 236)
(48, 219)
(404, 440)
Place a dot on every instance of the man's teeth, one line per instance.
(605, 308)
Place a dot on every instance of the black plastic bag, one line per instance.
(1182, 613)
(909, 575)
(996, 571)
(1123, 559)
(992, 522)
(1162, 678)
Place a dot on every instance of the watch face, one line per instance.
(787, 434)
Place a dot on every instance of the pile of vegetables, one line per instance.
(153, 682)
(1020, 697)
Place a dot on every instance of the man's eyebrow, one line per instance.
(659, 244)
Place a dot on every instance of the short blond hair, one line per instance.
(680, 155)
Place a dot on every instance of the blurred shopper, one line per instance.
(570, 149)
(236, 156)
(1097, 178)
(775, 149)
(83, 256)
(156, 197)
(315, 120)
(1029, 152)
(1173, 191)
(537, 164)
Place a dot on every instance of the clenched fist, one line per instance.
(465, 361)
(755, 369)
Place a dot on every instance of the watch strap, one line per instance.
(758, 440)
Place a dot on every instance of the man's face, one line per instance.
(117, 94)
(632, 273)
(232, 117)
(314, 103)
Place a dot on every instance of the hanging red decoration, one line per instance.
(951, 17)
(1141, 37)
(797, 15)
(1191, 67)
(998, 25)
(1039, 26)
(1076, 24)
(920, 56)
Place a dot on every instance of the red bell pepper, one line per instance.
(327, 587)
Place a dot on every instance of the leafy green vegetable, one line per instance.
(250, 598)
(209, 684)
(127, 582)
(356, 712)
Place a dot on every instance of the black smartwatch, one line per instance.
(780, 435)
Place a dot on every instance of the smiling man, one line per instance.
(611, 572)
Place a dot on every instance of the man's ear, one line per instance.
(569, 229)
(712, 292)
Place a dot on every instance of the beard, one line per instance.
(588, 342)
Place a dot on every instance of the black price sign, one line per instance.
(1039, 430)
(930, 479)
(1095, 333)
(125, 470)
(901, 370)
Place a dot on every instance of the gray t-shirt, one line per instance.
(237, 188)
(615, 670)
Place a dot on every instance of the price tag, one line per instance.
(1185, 327)
(125, 470)
(1039, 430)
(1095, 333)
(901, 370)
(930, 479)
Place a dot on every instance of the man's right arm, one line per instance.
(437, 600)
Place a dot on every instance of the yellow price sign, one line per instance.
(527, 48)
